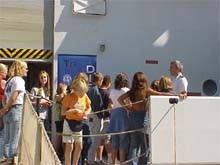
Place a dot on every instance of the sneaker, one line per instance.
(6, 161)
(101, 162)
(2, 160)
(87, 162)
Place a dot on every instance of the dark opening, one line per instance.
(209, 87)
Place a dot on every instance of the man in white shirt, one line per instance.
(179, 81)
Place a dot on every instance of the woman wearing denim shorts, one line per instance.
(119, 119)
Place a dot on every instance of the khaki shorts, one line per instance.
(68, 131)
(104, 130)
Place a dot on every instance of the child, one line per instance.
(107, 103)
(95, 119)
(87, 141)
(75, 108)
(61, 92)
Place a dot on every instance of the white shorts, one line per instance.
(68, 131)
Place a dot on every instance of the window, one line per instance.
(90, 7)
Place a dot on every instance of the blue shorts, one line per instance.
(120, 141)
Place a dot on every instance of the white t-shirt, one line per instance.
(114, 95)
(43, 111)
(180, 84)
(15, 84)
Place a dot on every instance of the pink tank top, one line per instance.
(1, 89)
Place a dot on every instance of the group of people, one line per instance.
(107, 114)
(103, 114)
(11, 104)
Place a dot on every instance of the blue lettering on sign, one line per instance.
(70, 65)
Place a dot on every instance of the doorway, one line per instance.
(34, 68)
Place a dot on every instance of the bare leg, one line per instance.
(99, 152)
(77, 152)
(68, 151)
(109, 152)
(114, 156)
(58, 144)
(122, 155)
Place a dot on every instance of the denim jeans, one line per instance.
(12, 130)
(87, 141)
(138, 139)
(1, 143)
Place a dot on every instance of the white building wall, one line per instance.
(130, 28)
(219, 47)
(185, 133)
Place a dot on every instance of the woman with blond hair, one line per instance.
(13, 105)
(165, 84)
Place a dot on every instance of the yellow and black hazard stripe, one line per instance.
(26, 53)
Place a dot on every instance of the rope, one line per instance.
(123, 132)
(40, 97)
(174, 127)
(50, 146)
(148, 151)
(127, 161)
(118, 133)
(174, 134)
(109, 109)
(162, 119)
(98, 135)
(91, 113)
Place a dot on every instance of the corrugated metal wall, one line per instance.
(26, 24)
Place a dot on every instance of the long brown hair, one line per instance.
(47, 85)
(139, 84)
